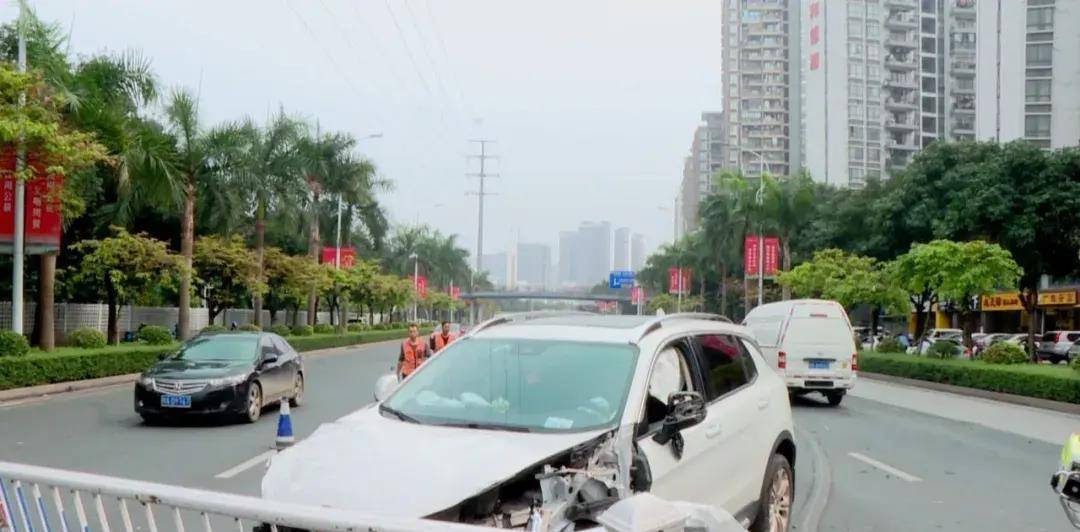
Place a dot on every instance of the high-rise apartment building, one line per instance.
(761, 81)
(533, 265)
(1029, 71)
(708, 155)
(637, 252)
(884, 79)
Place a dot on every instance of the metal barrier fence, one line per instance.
(40, 499)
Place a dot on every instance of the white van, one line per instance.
(810, 343)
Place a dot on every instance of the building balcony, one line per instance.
(957, 89)
(901, 21)
(900, 104)
(905, 146)
(900, 125)
(906, 82)
(961, 128)
(902, 4)
(903, 42)
(963, 68)
(901, 64)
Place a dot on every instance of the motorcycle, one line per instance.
(1066, 482)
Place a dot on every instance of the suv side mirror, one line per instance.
(268, 356)
(385, 386)
(685, 409)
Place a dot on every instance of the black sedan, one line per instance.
(232, 374)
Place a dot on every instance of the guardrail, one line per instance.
(38, 499)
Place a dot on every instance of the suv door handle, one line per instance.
(713, 431)
(762, 404)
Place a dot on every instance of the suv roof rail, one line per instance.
(525, 316)
(658, 322)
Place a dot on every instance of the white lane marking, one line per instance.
(244, 466)
(885, 467)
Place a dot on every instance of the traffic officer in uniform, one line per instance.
(441, 339)
(414, 352)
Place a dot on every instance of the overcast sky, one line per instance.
(592, 103)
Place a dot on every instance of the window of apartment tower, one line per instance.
(1037, 126)
(929, 44)
(1038, 90)
(928, 25)
(873, 134)
(1039, 54)
(873, 30)
(929, 5)
(1041, 18)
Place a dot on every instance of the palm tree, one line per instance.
(268, 174)
(201, 156)
(722, 229)
(789, 205)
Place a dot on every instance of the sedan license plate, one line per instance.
(819, 364)
(176, 401)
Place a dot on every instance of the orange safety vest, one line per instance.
(412, 356)
(439, 342)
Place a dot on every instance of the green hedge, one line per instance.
(324, 341)
(1056, 383)
(72, 364)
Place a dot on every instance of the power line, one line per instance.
(446, 59)
(329, 57)
(424, 46)
(408, 50)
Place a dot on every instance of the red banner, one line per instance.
(455, 293)
(42, 218)
(674, 281)
(348, 257)
(637, 295)
(751, 259)
(420, 284)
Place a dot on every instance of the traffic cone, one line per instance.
(285, 436)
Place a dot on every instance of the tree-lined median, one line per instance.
(1056, 383)
(68, 364)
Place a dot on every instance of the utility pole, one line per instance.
(18, 254)
(482, 175)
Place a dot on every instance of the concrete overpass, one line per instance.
(555, 296)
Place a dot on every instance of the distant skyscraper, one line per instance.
(595, 255)
(637, 252)
(497, 268)
(533, 265)
(585, 254)
(622, 249)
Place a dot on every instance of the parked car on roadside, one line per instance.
(548, 420)
(1054, 345)
(227, 373)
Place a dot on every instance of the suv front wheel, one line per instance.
(777, 496)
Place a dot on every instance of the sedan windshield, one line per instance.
(220, 347)
(527, 385)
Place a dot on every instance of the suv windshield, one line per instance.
(220, 347)
(530, 385)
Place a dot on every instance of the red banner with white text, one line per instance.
(753, 251)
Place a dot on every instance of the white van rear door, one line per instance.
(818, 346)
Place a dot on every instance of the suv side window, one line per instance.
(724, 359)
(671, 372)
(1073, 337)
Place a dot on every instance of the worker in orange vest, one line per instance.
(414, 352)
(441, 339)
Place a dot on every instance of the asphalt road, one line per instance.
(889, 458)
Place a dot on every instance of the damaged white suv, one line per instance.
(544, 422)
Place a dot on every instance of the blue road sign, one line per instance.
(621, 279)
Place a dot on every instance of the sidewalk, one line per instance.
(1035, 423)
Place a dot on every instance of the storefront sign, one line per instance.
(1062, 297)
(1001, 301)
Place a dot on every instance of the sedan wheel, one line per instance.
(780, 501)
(254, 403)
(297, 398)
